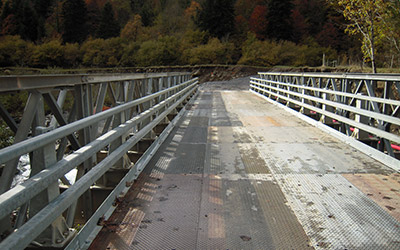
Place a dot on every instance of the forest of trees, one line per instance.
(125, 33)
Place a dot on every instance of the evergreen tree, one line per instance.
(74, 15)
(28, 21)
(108, 25)
(184, 3)
(136, 5)
(147, 14)
(145, 10)
(42, 10)
(6, 10)
(7, 18)
(42, 7)
(280, 25)
(217, 17)
(93, 15)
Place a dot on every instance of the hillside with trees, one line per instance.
(130, 33)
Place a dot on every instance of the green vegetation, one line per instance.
(136, 33)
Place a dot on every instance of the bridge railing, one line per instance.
(103, 146)
(360, 106)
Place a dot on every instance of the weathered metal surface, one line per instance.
(12, 83)
(383, 189)
(212, 190)
(126, 126)
(259, 178)
(335, 100)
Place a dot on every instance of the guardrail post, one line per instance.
(58, 234)
(303, 110)
(324, 119)
(146, 106)
(112, 177)
(357, 133)
(82, 93)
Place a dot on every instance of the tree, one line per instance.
(28, 21)
(258, 21)
(170, 21)
(42, 7)
(300, 26)
(366, 18)
(74, 15)
(280, 25)
(145, 10)
(93, 16)
(133, 28)
(393, 24)
(192, 10)
(245, 8)
(217, 17)
(7, 19)
(6, 10)
(20, 18)
(108, 25)
(313, 13)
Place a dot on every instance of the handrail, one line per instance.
(379, 116)
(350, 76)
(30, 82)
(349, 102)
(46, 216)
(27, 190)
(327, 91)
(147, 100)
(36, 142)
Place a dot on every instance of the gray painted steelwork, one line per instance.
(239, 173)
(361, 106)
(139, 103)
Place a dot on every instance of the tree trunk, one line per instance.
(373, 61)
(373, 46)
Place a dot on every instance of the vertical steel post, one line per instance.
(82, 98)
(58, 234)
(357, 133)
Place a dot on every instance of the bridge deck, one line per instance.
(240, 173)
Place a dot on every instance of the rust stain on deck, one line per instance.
(383, 189)
(120, 229)
(259, 121)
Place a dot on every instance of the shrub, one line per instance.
(49, 54)
(259, 53)
(92, 52)
(6, 135)
(161, 52)
(193, 38)
(72, 55)
(271, 53)
(214, 52)
(102, 53)
(14, 51)
(129, 55)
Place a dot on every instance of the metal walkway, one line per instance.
(240, 173)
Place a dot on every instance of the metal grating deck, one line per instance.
(238, 173)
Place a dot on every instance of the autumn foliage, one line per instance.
(258, 21)
(119, 33)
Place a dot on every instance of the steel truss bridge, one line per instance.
(223, 163)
